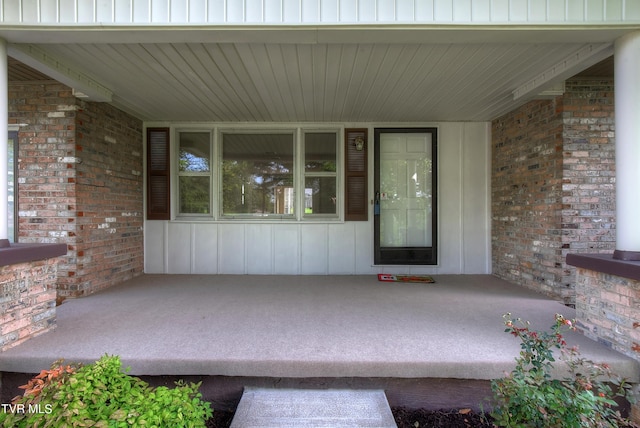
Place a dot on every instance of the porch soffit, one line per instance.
(313, 74)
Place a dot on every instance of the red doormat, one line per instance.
(405, 278)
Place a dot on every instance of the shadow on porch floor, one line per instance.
(293, 330)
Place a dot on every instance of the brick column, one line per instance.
(4, 135)
(627, 102)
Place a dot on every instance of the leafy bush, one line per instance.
(529, 397)
(102, 395)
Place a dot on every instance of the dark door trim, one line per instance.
(405, 255)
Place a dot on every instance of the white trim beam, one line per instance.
(580, 60)
(35, 57)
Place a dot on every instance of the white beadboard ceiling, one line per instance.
(264, 75)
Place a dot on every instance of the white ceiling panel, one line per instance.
(415, 81)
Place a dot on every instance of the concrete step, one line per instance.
(332, 408)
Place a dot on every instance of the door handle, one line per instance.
(376, 204)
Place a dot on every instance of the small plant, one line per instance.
(530, 397)
(102, 395)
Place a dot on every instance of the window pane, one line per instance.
(257, 174)
(195, 151)
(320, 152)
(194, 194)
(12, 196)
(320, 195)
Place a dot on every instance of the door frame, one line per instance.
(406, 255)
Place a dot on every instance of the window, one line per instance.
(12, 196)
(258, 174)
(224, 173)
(194, 172)
(320, 173)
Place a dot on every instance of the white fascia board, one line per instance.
(579, 60)
(83, 86)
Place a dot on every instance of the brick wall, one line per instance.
(553, 173)
(79, 183)
(527, 196)
(589, 205)
(27, 301)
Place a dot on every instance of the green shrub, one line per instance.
(102, 395)
(529, 397)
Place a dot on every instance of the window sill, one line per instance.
(22, 253)
(605, 263)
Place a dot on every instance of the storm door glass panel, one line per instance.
(194, 173)
(320, 170)
(405, 212)
(257, 175)
(405, 190)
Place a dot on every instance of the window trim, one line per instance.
(337, 174)
(211, 173)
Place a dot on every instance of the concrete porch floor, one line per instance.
(302, 327)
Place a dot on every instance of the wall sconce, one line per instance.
(359, 143)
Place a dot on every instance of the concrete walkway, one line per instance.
(301, 326)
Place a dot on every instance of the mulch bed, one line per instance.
(405, 418)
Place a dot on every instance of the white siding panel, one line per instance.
(406, 11)
(86, 12)
(385, 11)
(313, 249)
(575, 10)
(518, 10)
(160, 10)
(476, 195)
(30, 10)
(367, 11)
(538, 12)
(235, 11)
(596, 10)
(259, 249)
(216, 12)
(231, 249)
(450, 197)
(179, 12)
(329, 11)
(286, 249)
(154, 246)
(105, 12)
(205, 248)
(341, 254)
(424, 11)
(273, 11)
(179, 249)
(310, 10)
(613, 10)
(141, 11)
(557, 12)
(481, 10)
(443, 10)
(363, 236)
(48, 11)
(291, 10)
(462, 11)
(254, 11)
(500, 10)
(197, 11)
(123, 11)
(348, 10)
(67, 12)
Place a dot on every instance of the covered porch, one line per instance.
(427, 345)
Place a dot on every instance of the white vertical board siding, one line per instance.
(184, 12)
(205, 248)
(476, 205)
(336, 248)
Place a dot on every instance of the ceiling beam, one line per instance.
(573, 64)
(83, 86)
